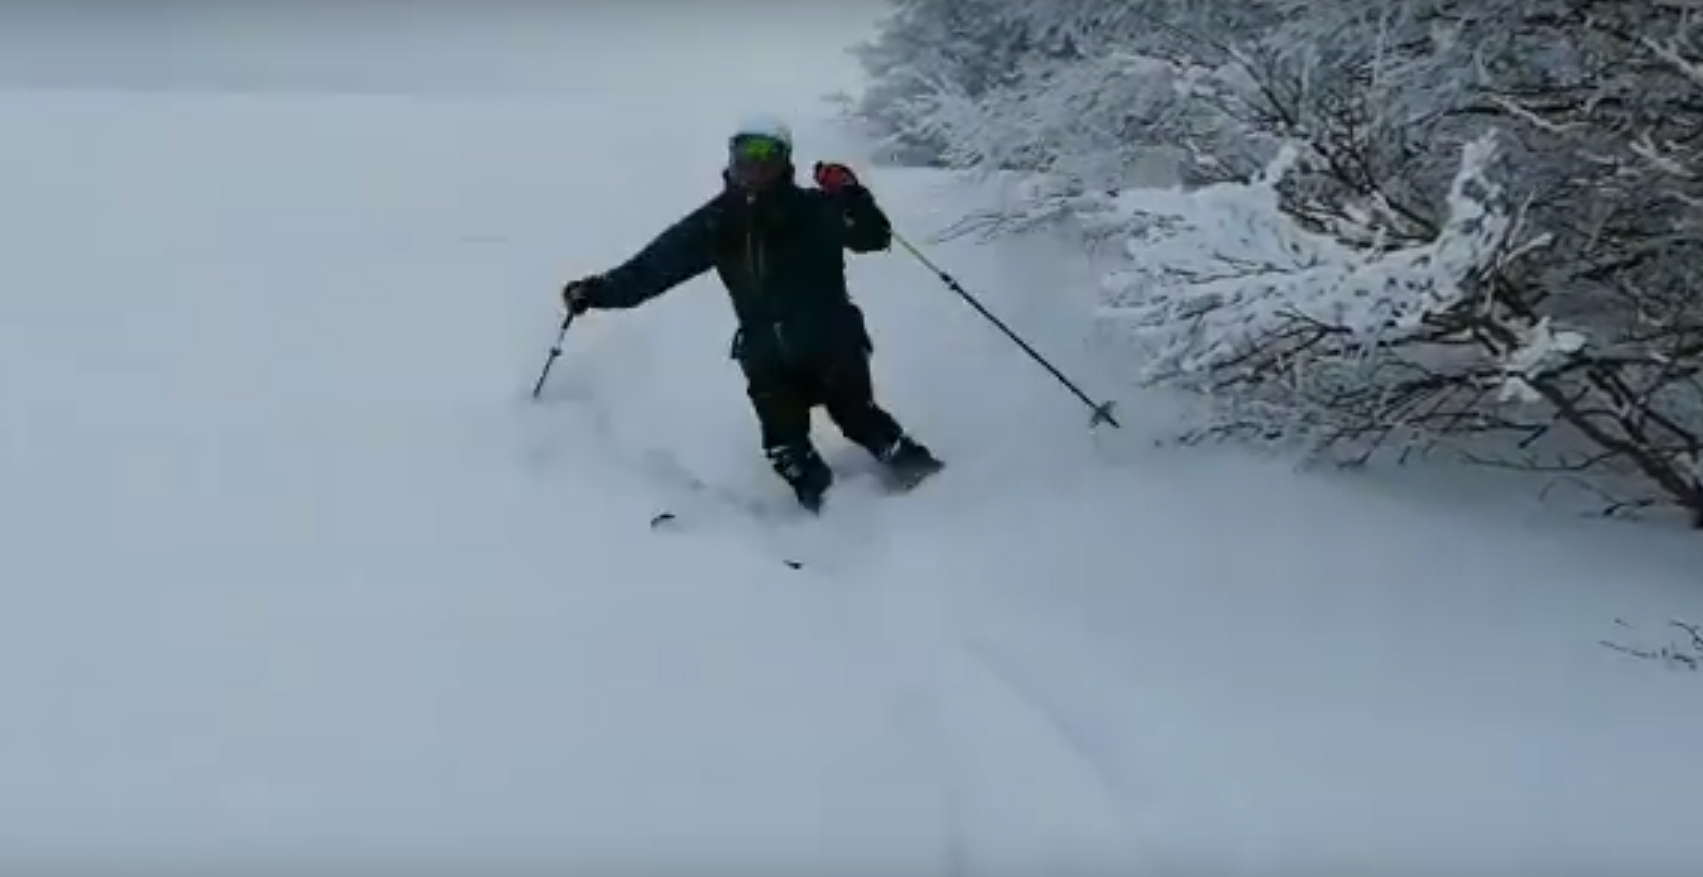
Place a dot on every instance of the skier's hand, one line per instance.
(577, 295)
(834, 178)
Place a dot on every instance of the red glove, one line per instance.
(834, 177)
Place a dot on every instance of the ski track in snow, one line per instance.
(294, 572)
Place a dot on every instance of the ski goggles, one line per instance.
(756, 150)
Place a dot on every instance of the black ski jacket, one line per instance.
(781, 256)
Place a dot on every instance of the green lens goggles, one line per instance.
(757, 148)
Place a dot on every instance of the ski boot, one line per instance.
(908, 463)
(805, 472)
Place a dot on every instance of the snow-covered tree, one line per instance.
(1298, 335)
(1078, 90)
(1387, 273)
(929, 47)
(1621, 179)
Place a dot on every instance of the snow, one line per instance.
(293, 573)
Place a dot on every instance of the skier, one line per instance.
(779, 249)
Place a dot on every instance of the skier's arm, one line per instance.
(868, 229)
(683, 251)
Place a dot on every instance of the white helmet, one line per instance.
(765, 125)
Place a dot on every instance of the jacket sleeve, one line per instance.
(868, 229)
(683, 251)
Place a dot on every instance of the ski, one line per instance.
(664, 520)
(891, 486)
(765, 511)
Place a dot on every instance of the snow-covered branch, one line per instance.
(1234, 269)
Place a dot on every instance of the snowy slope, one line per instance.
(293, 572)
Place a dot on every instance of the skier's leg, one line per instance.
(783, 417)
(849, 396)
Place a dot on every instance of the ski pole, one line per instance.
(1102, 412)
(555, 351)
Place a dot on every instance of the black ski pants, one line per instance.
(783, 393)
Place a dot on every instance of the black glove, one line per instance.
(579, 295)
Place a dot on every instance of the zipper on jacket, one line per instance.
(753, 247)
(756, 267)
